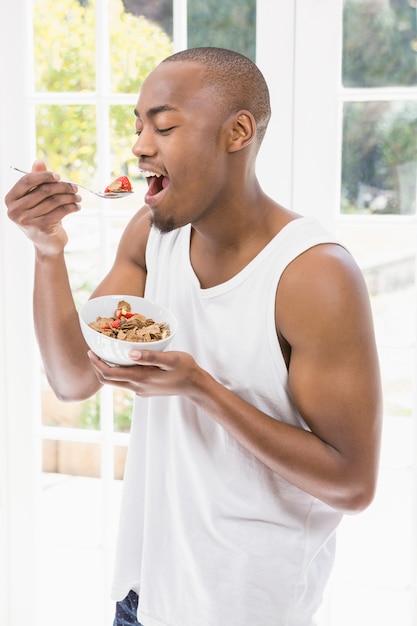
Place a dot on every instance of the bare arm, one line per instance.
(38, 203)
(334, 372)
(323, 313)
(333, 375)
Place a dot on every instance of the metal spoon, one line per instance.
(112, 195)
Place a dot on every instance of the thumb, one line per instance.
(38, 166)
(149, 357)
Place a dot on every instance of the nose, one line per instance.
(144, 144)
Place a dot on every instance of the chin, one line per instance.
(164, 226)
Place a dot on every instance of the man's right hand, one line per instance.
(37, 203)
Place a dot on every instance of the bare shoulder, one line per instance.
(322, 290)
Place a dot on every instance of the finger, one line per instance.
(53, 192)
(44, 210)
(109, 371)
(32, 181)
(149, 357)
(100, 368)
(39, 166)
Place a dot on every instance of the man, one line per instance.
(260, 426)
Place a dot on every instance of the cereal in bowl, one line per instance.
(129, 326)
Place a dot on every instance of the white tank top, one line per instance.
(209, 536)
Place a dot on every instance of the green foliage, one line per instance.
(122, 137)
(136, 46)
(400, 134)
(379, 44)
(379, 138)
(123, 402)
(66, 139)
(223, 24)
(90, 414)
(64, 44)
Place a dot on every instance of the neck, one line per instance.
(219, 253)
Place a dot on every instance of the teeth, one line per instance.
(150, 174)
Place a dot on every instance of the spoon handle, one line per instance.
(109, 196)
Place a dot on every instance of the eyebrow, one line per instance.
(155, 110)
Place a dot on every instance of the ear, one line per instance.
(242, 130)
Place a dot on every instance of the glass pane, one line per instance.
(122, 138)
(67, 414)
(386, 253)
(379, 158)
(90, 414)
(66, 140)
(120, 453)
(83, 255)
(223, 23)
(140, 37)
(157, 11)
(379, 43)
(92, 245)
(122, 407)
(71, 458)
(73, 552)
(64, 45)
(56, 413)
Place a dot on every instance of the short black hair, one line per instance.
(238, 82)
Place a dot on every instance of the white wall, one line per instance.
(275, 57)
(18, 373)
(298, 44)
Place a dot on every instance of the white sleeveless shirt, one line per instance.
(209, 536)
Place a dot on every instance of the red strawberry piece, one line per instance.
(122, 183)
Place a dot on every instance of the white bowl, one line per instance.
(116, 350)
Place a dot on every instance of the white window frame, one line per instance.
(299, 165)
(19, 452)
(303, 163)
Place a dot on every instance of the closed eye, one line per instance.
(163, 131)
(160, 131)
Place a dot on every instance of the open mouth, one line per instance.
(156, 183)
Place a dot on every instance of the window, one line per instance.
(379, 75)
(377, 220)
(352, 111)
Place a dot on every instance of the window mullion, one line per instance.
(376, 94)
(102, 65)
(275, 40)
(180, 24)
(316, 109)
(414, 470)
